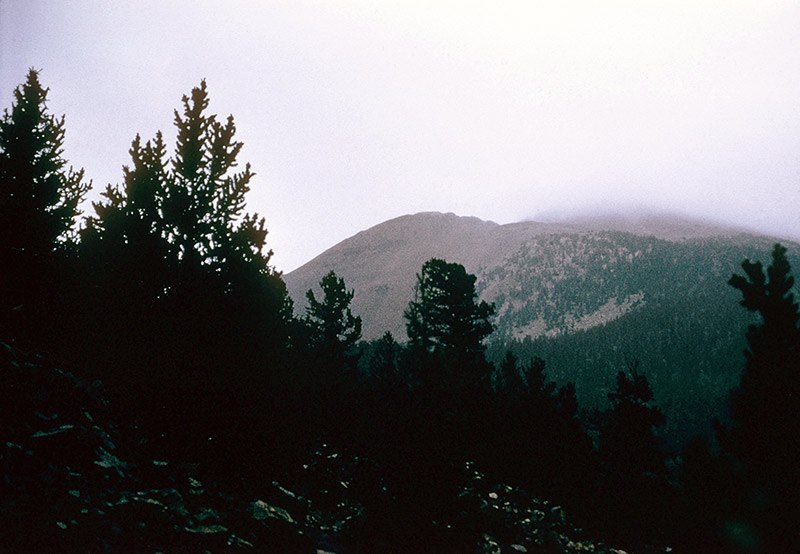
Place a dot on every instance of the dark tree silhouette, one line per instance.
(446, 325)
(760, 448)
(536, 438)
(445, 313)
(430, 419)
(334, 330)
(627, 440)
(332, 356)
(633, 488)
(194, 203)
(384, 362)
(508, 379)
(773, 345)
(179, 290)
(39, 201)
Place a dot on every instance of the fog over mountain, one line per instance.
(544, 278)
(355, 111)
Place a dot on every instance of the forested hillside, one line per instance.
(163, 391)
(586, 297)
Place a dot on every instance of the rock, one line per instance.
(262, 511)
(238, 541)
(196, 487)
(109, 461)
(51, 432)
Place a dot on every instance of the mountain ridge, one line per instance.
(380, 264)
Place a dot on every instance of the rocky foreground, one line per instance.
(71, 481)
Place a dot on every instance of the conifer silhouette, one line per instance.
(181, 292)
(761, 446)
(39, 200)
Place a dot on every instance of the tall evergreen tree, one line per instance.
(179, 284)
(633, 488)
(439, 414)
(334, 329)
(446, 324)
(333, 332)
(536, 438)
(628, 443)
(39, 201)
(194, 203)
(761, 447)
(384, 362)
(509, 380)
(774, 345)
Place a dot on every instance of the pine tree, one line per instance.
(194, 203)
(179, 288)
(39, 201)
(537, 439)
(384, 362)
(628, 443)
(633, 489)
(773, 346)
(446, 325)
(761, 447)
(335, 331)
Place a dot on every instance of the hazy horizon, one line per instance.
(355, 112)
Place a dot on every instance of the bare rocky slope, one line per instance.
(544, 278)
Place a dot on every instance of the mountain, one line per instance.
(544, 278)
(590, 296)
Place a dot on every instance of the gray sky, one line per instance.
(353, 112)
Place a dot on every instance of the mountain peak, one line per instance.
(533, 271)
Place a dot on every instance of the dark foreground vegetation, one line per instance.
(159, 394)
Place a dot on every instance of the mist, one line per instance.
(353, 113)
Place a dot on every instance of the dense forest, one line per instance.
(160, 394)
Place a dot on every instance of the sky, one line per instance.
(353, 112)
